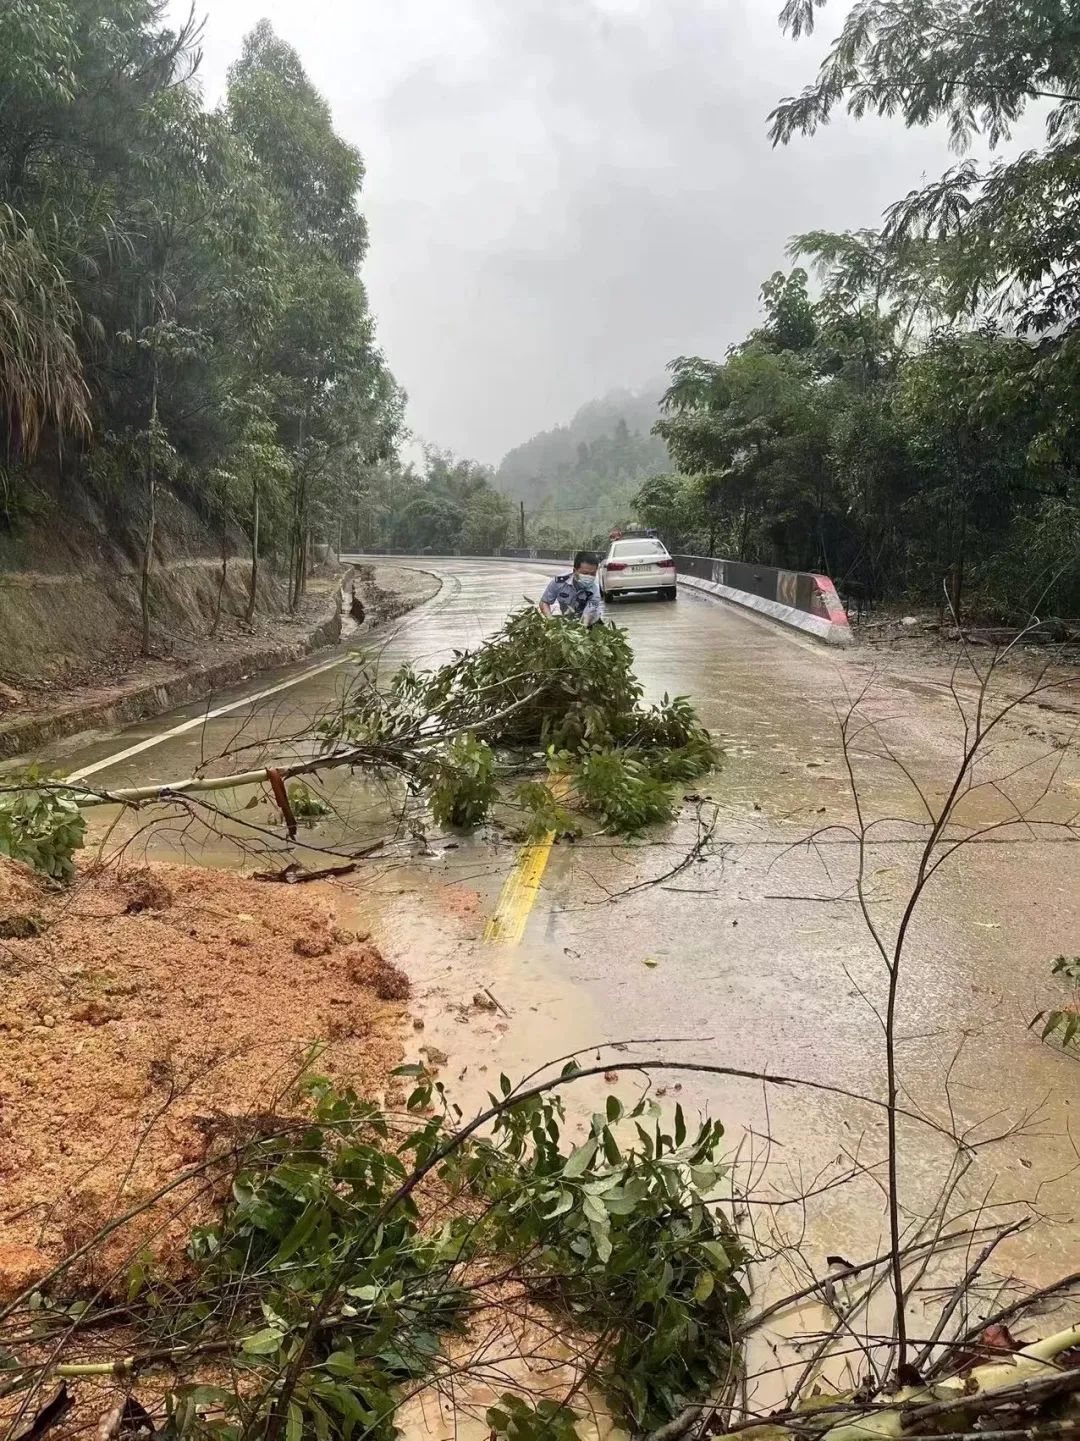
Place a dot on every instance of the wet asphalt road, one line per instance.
(762, 957)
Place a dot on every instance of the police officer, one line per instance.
(577, 594)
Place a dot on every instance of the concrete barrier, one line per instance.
(796, 598)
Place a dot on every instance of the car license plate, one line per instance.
(639, 567)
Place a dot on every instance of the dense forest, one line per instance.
(181, 306)
(180, 302)
(447, 505)
(911, 417)
(565, 487)
(580, 479)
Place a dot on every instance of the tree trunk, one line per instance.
(958, 569)
(220, 590)
(151, 516)
(299, 523)
(296, 546)
(744, 531)
(249, 615)
(298, 572)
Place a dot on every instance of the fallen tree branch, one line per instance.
(294, 874)
(843, 1272)
(1030, 1433)
(1035, 1390)
(1014, 1308)
(275, 1420)
(961, 1289)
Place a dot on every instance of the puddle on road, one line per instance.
(720, 971)
(490, 1009)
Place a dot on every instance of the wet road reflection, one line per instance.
(758, 952)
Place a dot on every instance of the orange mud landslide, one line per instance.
(148, 1015)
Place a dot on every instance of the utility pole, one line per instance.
(521, 526)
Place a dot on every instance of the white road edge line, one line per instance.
(203, 717)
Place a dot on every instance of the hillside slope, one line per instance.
(69, 585)
(581, 478)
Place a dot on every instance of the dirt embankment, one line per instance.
(385, 592)
(70, 616)
(116, 686)
(915, 647)
(70, 584)
(147, 1016)
(207, 649)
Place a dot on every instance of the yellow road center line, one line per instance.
(507, 923)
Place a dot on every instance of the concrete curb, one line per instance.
(815, 625)
(28, 734)
(835, 632)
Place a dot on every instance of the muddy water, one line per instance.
(760, 957)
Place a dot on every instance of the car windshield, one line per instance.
(639, 549)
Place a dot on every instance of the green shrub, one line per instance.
(622, 790)
(1063, 1024)
(616, 1238)
(40, 825)
(307, 807)
(540, 690)
(460, 782)
(619, 1236)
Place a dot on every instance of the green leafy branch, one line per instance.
(538, 691)
(615, 1235)
(1063, 1024)
(41, 824)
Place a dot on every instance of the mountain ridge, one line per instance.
(582, 476)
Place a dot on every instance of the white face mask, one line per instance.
(587, 582)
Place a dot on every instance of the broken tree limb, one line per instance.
(962, 1288)
(281, 795)
(842, 1273)
(389, 754)
(294, 875)
(190, 785)
(1038, 1432)
(1007, 1313)
(1035, 1390)
(1025, 1378)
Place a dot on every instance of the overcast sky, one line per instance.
(565, 194)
